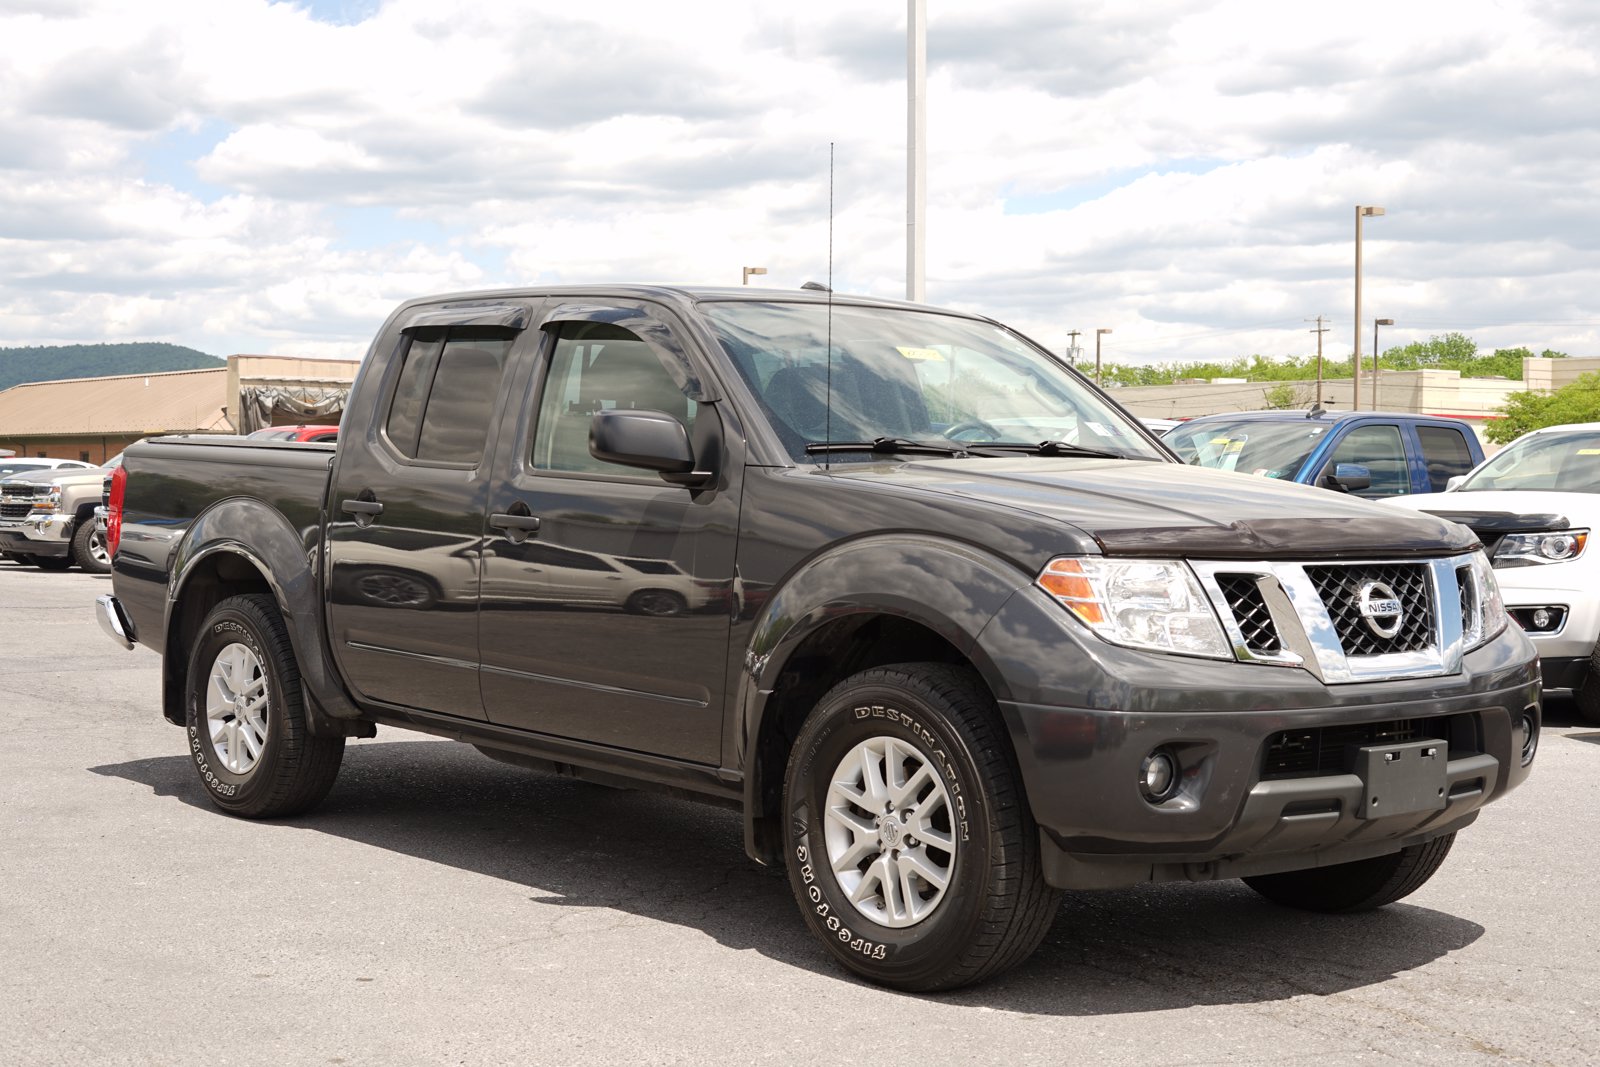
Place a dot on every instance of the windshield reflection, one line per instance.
(910, 375)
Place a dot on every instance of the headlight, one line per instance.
(1483, 613)
(48, 504)
(1155, 604)
(1525, 550)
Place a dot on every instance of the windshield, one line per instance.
(1564, 462)
(910, 375)
(1249, 446)
(10, 467)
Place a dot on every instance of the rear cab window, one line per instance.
(1445, 453)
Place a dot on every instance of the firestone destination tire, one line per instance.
(246, 719)
(1359, 886)
(910, 846)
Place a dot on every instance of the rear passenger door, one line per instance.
(407, 503)
(606, 590)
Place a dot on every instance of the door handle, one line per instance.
(365, 511)
(517, 527)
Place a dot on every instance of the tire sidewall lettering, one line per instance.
(831, 915)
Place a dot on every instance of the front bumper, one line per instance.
(44, 535)
(1242, 807)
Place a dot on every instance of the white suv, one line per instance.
(1535, 506)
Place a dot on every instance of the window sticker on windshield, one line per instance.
(1103, 430)
(932, 355)
(1315, 430)
(1589, 451)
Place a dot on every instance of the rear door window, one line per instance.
(1445, 451)
(444, 399)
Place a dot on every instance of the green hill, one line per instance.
(49, 362)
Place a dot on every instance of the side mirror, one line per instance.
(1455, 483)
(1348, 478)
(650, 440)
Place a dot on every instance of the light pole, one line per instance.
(1375, 324)
(1098, 333)
(1355, 360)
(916, 147)
(752, 270)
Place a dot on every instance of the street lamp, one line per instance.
(1375, 324)
(1355, 360)
(752, 270)
(1098, 333)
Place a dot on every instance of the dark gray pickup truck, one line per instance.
(947, 625)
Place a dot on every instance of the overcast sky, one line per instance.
(246, 176)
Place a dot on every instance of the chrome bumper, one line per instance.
(113, 621)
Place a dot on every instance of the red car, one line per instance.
(297, 433)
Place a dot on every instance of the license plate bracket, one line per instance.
(1403, 779)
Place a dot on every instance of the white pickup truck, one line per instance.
(1535, 505)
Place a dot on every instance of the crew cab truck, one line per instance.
(47, 518)
(1373, 454)
(969, 635)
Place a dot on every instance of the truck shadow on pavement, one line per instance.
(1150, 948)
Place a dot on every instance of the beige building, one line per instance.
(93, 419)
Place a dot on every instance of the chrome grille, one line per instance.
(17, 500)
(1300, 614)
(1340, 589)
(1249, 607)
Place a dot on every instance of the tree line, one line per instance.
(1450, 351)
(45, 363)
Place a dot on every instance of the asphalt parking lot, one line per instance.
(443, 908)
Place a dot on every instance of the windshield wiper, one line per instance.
(1049, 448)
(887, 445)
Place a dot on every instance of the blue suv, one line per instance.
(1367, 453)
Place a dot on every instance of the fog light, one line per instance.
(1158, 776)
(1542, 618)
(1528, 734)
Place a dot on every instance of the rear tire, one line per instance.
(89, 550)
(246, 715)
(909, 842)
(1359, 886)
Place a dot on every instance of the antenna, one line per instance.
(827, 426)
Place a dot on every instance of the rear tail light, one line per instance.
(119, 485)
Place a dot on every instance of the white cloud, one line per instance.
(1183, 173)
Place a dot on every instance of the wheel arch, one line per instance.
(866, 604)
(237, 546)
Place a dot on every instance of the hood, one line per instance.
(1501, 511)
(1136, 508)
(58, 476)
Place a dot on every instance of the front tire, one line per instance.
(246, 715)
(89, 550)
(909, 842)
(1359, 886)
